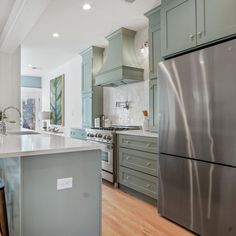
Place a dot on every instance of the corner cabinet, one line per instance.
(191, 23)
(154, 38)
(92, 96)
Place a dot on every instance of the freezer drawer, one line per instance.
(198, 195)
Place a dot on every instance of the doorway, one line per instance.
(31, 108)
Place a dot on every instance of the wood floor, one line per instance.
(124, 215)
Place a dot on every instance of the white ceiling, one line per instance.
(78, 29)
(5, 10)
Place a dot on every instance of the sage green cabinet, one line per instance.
(87, 119)
(154, 39)
(153, 105)
(187, 24)
(92, 96)
(137, 165)
(155, 57)
(178, 24)
(87, 76)
(215, 19)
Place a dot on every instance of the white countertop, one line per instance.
(12, 145)
(139, 133)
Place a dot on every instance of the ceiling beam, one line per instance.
(24, 15)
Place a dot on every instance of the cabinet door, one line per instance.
(153, 105)
(154, 50)
(87, 75)
(178, 24)
(215, 19)
(87, 110)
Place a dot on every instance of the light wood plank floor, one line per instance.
(124, 215)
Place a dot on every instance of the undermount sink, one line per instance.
(22, 133)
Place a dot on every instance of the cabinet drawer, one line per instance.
(138, 160)
(78, 134)
(145, 144)
(140, 182)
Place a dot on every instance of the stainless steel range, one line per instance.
(107, 136)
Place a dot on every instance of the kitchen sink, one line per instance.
(22, 133)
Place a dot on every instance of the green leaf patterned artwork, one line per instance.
(57, 100)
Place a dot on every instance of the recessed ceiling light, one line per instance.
(86, 6)
(55, 35)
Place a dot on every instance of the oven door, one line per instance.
(107, 158)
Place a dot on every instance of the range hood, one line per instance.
(121, 66)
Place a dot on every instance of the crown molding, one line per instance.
(24, 15)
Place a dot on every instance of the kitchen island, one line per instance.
(53, 185)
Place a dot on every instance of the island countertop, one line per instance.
(13, 145)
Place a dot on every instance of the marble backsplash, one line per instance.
(136, 94)
(137, 97)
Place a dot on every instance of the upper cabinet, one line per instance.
(190, 23)
(215, 19)
(178, 23)
(87, 74)
(92, 96)
(154, 38)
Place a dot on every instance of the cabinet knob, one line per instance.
(128, 158)
(148, 164)
(148, 145)
(199, 34)
(192, 36)
(127, 141)
(148, 185)
(127, 177)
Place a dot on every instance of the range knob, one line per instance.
(91, 135)
(88, 134)
(109, 138)
(99, 136)
(96, 135)
(105, 137)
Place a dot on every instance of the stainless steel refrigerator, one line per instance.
(197, 163)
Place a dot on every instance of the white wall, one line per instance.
(137, 94)
(73, 103)
(10, 65)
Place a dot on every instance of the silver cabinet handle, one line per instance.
(199, 34)
(192, 36)
(148, 185)
(148, 145)
(148, 164)
(127, 141)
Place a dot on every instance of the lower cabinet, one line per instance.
(138, 167)
(138, 181)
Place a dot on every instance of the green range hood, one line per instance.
(121, 65)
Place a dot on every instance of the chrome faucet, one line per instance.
(3, 127)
